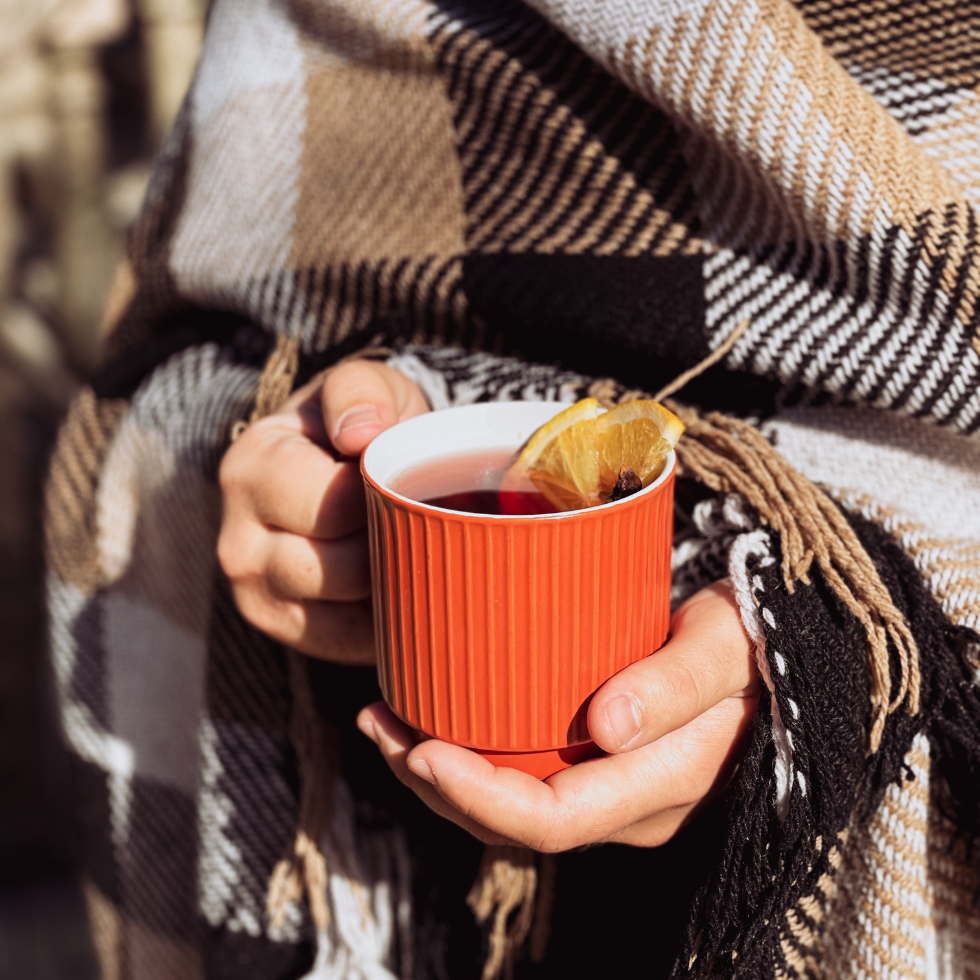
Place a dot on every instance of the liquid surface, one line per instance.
(494, 502)
(470, 482)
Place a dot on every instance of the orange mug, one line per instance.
(493, 631)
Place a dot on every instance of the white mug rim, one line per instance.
(377, 445)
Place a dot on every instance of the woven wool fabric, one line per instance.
(616, 187)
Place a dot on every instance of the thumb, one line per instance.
(361, 399)
(708, 658)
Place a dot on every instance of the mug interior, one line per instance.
(469, 428)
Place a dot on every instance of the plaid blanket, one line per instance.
(521, 199)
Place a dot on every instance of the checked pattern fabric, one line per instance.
(518, 199)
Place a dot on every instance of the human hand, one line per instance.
(675, 726)
(293, 541)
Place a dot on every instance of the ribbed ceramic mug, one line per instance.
(493, 632)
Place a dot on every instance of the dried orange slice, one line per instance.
(561, 459)
(581, 458)
(635, 437)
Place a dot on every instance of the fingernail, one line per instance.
(421, 769)
(355, 416)
(622, 718)
(371, 730)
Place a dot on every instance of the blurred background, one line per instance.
(88, 90)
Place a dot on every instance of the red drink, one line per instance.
(470, 482)
(494, 502)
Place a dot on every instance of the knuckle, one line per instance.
(261, 611)
(253, 609)
(674, 692)
(229, 554)
(236, 558)
(234, 468)
(681, 688)
(228, 477)
(249, 459)
(271, 618)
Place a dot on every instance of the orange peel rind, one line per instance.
(580, 458)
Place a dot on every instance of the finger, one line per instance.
(342, 632)
(730, 729)
(547, 816)
(276, 475)
(656, 829)
(395, 740)
(707, 659)
(305, 568)
(595, 800)
(361, 399)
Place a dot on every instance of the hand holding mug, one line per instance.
(294, 548)
(292, 541)
(675, 726)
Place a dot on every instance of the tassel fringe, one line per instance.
(303, 869)
(727, 455)
(277, 379)
(505, 888)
